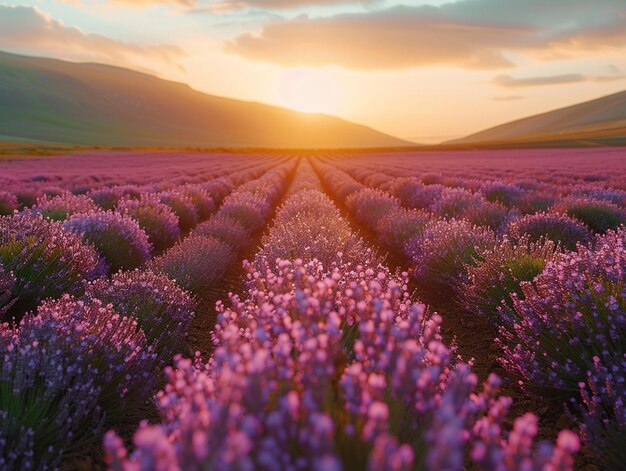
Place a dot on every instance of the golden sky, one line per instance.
(425, 71)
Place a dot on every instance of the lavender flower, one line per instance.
(505, 193)
(225, 229)
(48, 405)
(201, 200)
(183, 207)
(63, 206)
(603, 410)
(117, 237)
(399, 226)
(46, 260)
(558, 228)
(162, 309)
(499, 272)
(572, 312)
(370, 206)
(441, 255)
(7, 285)
(197, 263)
(599, 216)
(8, 203)
(155, 218)
(269, 397)
(414, 194)
(111, 343)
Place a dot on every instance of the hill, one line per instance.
(597, 122)
(56, 101)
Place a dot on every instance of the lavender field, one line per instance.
(315, 311)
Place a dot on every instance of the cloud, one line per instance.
(508, 98)
(230, 5)
(401, 37)
(479, 34)
(30, 30)
(512, 82)
(562, 79)
(145, 3)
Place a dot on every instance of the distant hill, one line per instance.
(92, 104)
(597, 122)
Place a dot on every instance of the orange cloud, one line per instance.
(467, 33)
(28, 29)
(401, 37)
(562, 79)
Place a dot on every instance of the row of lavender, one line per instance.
(559, 316)
(578, 171)
(327, 363)
(90, 355)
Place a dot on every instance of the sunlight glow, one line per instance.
(309, 91)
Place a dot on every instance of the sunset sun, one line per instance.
(309, 91)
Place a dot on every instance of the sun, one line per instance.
(309, 91)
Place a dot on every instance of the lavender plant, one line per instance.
(370, 206)
(183, 207)
(286, 389)
(558, 228)
(8, 203)
(499, 272)
(599, 216)
(45, 260)
(48, 395)
(603, 425)
(226, 229)
(162, 310)
(441, 255)
(111, 343)
(574, 311)
(196, 264)
(118, 238)
(156, 219)
(62, 206)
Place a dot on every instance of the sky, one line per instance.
(423, 70)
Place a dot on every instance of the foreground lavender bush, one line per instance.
(225, 229)
(248, 209)
(442, 254)
(603, 412)
(108, 197)
(8, 203)
(454, 202)
(309, 226)
(573, 312)
(413, 194)
(162, 310)
(499, 272)
(495, 216)
(117, 237)
(370, 206)
(399, 226)
(112, 344)
(62, 206)
(45, 260)
(559, 228)
(183, 206)
(7, 285)
(64, 371)
(196, 263)
(201, 200)
(599, 216)
(48, 395)
(317, 372)
(505, 193)
(156, 219)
